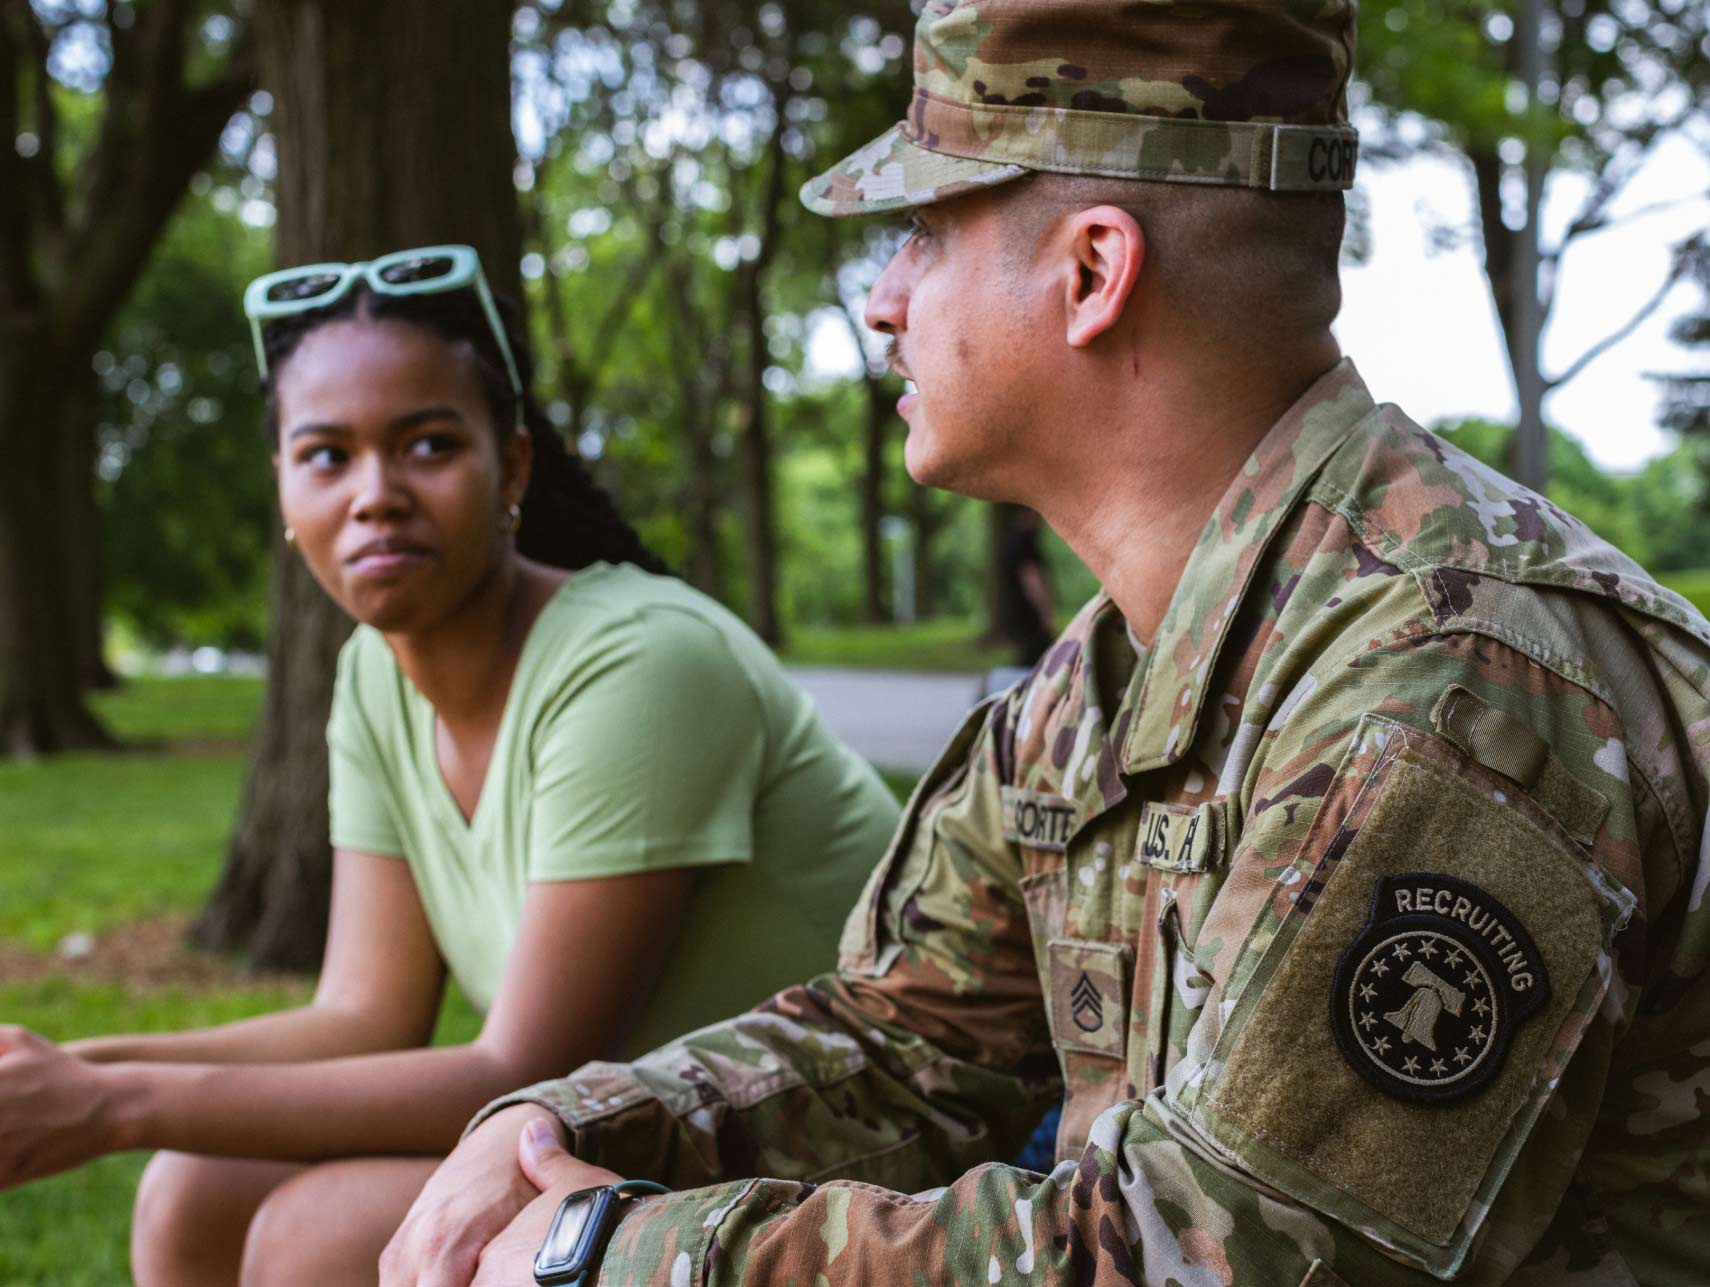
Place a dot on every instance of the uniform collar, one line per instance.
(1168, 692)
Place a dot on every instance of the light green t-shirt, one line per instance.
(646, 727)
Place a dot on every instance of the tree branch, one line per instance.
(1632, 324)
(140, 183)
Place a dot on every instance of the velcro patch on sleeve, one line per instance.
(1384, 1065)
(1038, 820)
(1089, 995)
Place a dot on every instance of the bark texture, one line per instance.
(393, 130)
(73, 240)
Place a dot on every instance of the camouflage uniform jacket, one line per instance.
(1361, 919)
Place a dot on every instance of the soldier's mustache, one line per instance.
(893, 358)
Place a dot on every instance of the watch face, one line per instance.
(571, 1242)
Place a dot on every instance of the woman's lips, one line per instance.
(386, 559)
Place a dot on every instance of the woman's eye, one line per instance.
(321, 455)
(433, 444)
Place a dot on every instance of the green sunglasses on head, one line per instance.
(431, 270)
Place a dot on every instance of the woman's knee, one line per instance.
(191, 1215)
(328, 1224)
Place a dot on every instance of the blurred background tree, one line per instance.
(1614, 78)
(107, 110)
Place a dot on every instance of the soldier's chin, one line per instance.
(925, 455)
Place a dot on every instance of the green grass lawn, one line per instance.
(949, 644)
(94, 841)
(1694, 586)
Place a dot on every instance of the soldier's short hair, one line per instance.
(1232, 262)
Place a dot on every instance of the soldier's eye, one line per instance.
(889, 239)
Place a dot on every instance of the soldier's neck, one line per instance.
(1146, 481)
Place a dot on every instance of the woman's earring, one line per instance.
(513, 518)
(291, 536)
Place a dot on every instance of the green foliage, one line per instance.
(1455, 67)
(1694, 587)
(1654, 516)
(186, 488)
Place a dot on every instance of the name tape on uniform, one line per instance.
(1037, 819)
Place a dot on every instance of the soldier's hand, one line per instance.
(508, 1260)
(473, 1195)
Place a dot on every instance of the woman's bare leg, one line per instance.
(328, 1224)
(192, 1214)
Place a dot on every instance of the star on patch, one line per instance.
(1423, 1006)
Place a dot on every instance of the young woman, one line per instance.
(585, 789)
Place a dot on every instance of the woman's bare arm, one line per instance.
(379, 988)
(585, 959)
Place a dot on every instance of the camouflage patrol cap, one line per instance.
(1244, 93)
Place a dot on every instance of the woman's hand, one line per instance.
(55, 1109)
(472, 1197)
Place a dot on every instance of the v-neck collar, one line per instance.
(427, 740)
(1167, 691)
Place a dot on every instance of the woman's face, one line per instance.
(390, 473)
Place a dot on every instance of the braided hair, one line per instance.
(568, 519)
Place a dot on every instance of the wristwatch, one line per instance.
(580, 1229)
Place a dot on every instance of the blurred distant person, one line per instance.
(1027, 607)
(583, 789)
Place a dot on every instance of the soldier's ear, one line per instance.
(1106, 251)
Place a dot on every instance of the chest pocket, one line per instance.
(1115, 922)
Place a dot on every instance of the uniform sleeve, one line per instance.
(652, 756)
(1268, 1156)
(359, 797)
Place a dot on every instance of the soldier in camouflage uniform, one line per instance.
(1357, 914)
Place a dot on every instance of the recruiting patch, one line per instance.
(1427, 999)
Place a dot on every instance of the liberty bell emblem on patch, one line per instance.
(1427, 999)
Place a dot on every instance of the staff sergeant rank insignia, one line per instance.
(1427, 999)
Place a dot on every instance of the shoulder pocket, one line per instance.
(1415, 1008)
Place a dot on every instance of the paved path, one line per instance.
(898, 719)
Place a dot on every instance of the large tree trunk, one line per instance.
(80, 528)
(393, 130)
(41, 702)
(76, 228)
